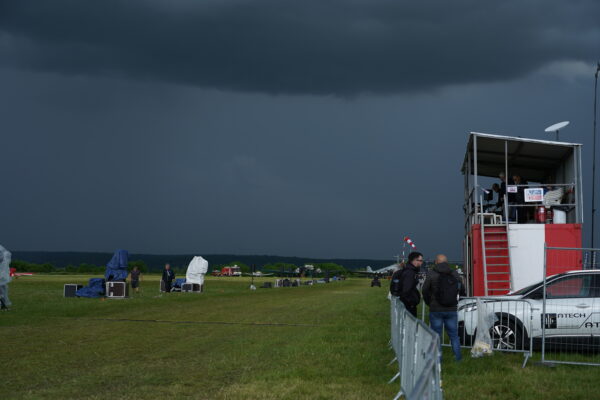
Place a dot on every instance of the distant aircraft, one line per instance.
(256, 274)
(13, 272)
(382, 271)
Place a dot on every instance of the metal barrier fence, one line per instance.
(511, 332)
(570, 309)
(416, 347)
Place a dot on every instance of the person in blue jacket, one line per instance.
(168, 277)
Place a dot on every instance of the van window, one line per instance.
(570, 287)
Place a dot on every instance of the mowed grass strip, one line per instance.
(85, 348)
(320, 342)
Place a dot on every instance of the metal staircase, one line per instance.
(496, 259)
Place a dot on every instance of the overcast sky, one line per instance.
(322, 128)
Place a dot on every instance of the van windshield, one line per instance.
(526, 289)
(531, 287)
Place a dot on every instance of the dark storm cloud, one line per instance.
(298, 47)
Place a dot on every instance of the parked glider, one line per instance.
(13, 272)
(257, 274)
(382, 271)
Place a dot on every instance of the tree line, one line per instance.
(91, 269)
(285, 268)
(83, 268)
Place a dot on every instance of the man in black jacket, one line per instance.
(168, 276)
(405, 280)
(443, 315)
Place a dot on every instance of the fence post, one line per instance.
(544, 306)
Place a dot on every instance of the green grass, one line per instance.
(321, 342)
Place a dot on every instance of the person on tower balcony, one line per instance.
(522, 212)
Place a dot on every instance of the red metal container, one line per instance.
(541, 215)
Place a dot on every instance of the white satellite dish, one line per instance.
(556, 127)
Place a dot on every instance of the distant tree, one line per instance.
(85, 268)
(71, 269)
(47, 267)
(138, 263)
(23, 266)
(331, 267)
(278, 267)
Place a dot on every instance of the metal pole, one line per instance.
(594, 153)
(467, 265)
(544, 307)
(475, 183)
(578, 184)
(469, 225)
(403, 254)
(485, 274)
(506, 213)
(469, 172)
(579, 199)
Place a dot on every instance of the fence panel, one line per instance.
(512, 332)
(409, 352)
(416, 348)
(570, 316)
(427, 366)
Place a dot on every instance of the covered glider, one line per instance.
(95, 288)
(116, 269)
(196, 270)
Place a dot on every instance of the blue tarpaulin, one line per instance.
(95, 288)
(178, 282)
(116, 269)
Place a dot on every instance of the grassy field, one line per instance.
(321, 342)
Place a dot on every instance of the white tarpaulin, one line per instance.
(5, 257)
(196, 270)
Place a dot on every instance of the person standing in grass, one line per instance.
(136, 277)
(441, 290)
(405, 280)
(168, 276)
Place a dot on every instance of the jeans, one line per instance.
(449, 320)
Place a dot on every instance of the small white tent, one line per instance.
(196, 270)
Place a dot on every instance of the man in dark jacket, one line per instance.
(441, 315)
(168, 276)
(405, 280)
